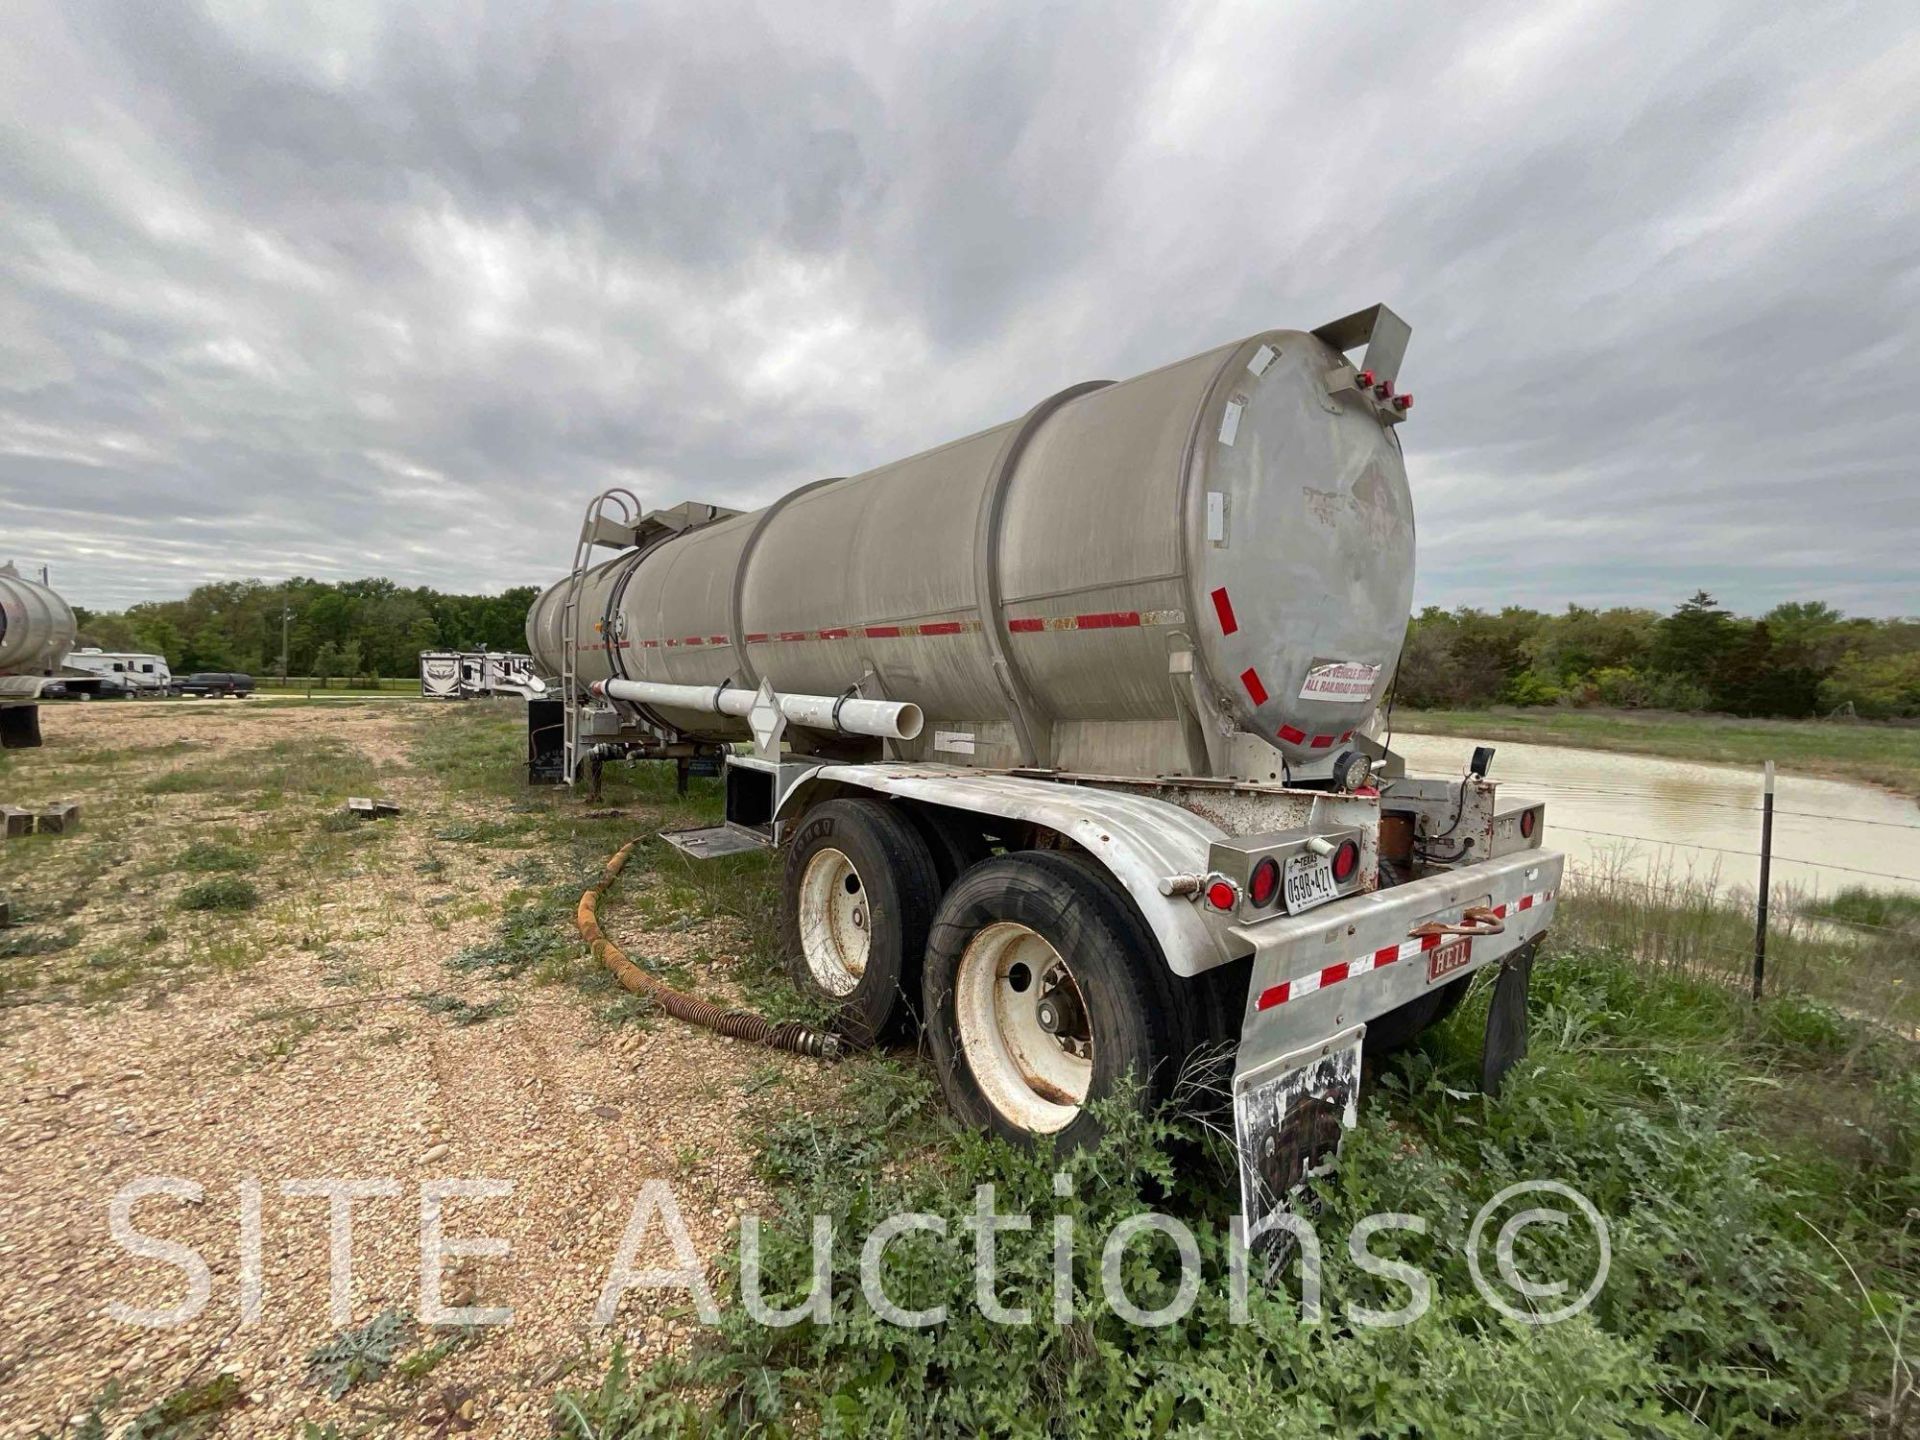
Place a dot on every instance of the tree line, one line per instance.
(1800, 659)
(349, 628)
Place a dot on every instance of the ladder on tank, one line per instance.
(595, 530)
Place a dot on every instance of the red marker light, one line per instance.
(1384, 389)
(1222, 896)
(1403, 402)
(1526, 824)
(1265, 882)
(1345, 861)
(1366, 379)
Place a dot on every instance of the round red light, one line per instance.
(1264, 885)
(1365, 377)
(1526, 824)
(1403, 402)
(1345, 861)
(1222, 896)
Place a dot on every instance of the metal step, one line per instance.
(715, 840)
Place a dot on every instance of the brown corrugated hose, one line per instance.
(740, 1024)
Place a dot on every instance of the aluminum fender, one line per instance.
(1352, 961)
(1138, 839)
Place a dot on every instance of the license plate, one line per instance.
(1443, 960)
(1309, 882)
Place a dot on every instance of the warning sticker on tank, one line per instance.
(957, 742)
(1340, 680)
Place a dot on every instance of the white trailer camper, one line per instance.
(124, 672)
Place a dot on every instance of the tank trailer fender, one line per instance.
(1140, 840)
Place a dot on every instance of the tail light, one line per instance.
(1263, 887)
(1222, 896)
(1345, 861)
(1529, 821)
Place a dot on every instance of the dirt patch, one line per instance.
(350, 1024)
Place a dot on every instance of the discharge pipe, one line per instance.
(884, 719)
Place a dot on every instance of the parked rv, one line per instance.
(124, 672)
(466, 674)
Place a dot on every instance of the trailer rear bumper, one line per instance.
(1320, 978)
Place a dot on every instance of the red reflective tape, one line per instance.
(1291, 735)
(1272, 996)
(759, 637)
(1321, 742)
(1026, 625)
(835, 634)
(693, 640)
(651, 644)
(881, 632)
(718, 640)
(1346, 737)
(672, 643)
(1251, 679)
(942, 627)
(793, 635)
(1385, 956)
(1334, 974)
(1108, 620)
(1526, 902)
(1429, 942)
(1223, 607)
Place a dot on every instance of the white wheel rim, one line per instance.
(835, 922)
(1035, 1076)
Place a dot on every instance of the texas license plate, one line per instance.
(1309, 882)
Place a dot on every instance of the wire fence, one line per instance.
(1854, 943)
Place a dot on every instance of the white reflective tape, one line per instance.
(1230, 422)
(1305, 985)
(1262, 358)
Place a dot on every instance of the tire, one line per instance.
(857, 899)
(956, 846)
(1006, 919)
(1399, 1028)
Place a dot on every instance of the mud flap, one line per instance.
(1288, 1118)
(1505, 1044)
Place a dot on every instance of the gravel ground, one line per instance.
(288, 1043)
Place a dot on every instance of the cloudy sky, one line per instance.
(340, 289)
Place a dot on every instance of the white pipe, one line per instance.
(884, 719)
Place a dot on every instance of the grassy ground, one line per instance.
(1759, 1167)
(1880, 754)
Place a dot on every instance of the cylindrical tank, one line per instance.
(37, 627)
(1051, 590)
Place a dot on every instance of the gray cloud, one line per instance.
(343, 289)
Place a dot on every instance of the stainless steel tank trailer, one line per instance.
(1069, 730)
(37, 629)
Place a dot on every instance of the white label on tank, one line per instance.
(958, 742)
(1217, 517)
(1340, 680)
(1262, 358)
(1230, 422)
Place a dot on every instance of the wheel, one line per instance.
(1400, 1027)
(956, 846)
(1044, 988)
(858, 898)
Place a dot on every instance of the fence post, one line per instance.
(1766, 867)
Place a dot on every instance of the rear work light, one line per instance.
(1345, 861)
(1222, 896)
(1263, 888)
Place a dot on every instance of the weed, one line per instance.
(1875, 909)
(454, 1338)
(356, 1357)
(214, 855)
(189, 1413)
(223, 892)
(339, 822)
(481, 832)
(464, 1012)
(532, 932)
(27, 941)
